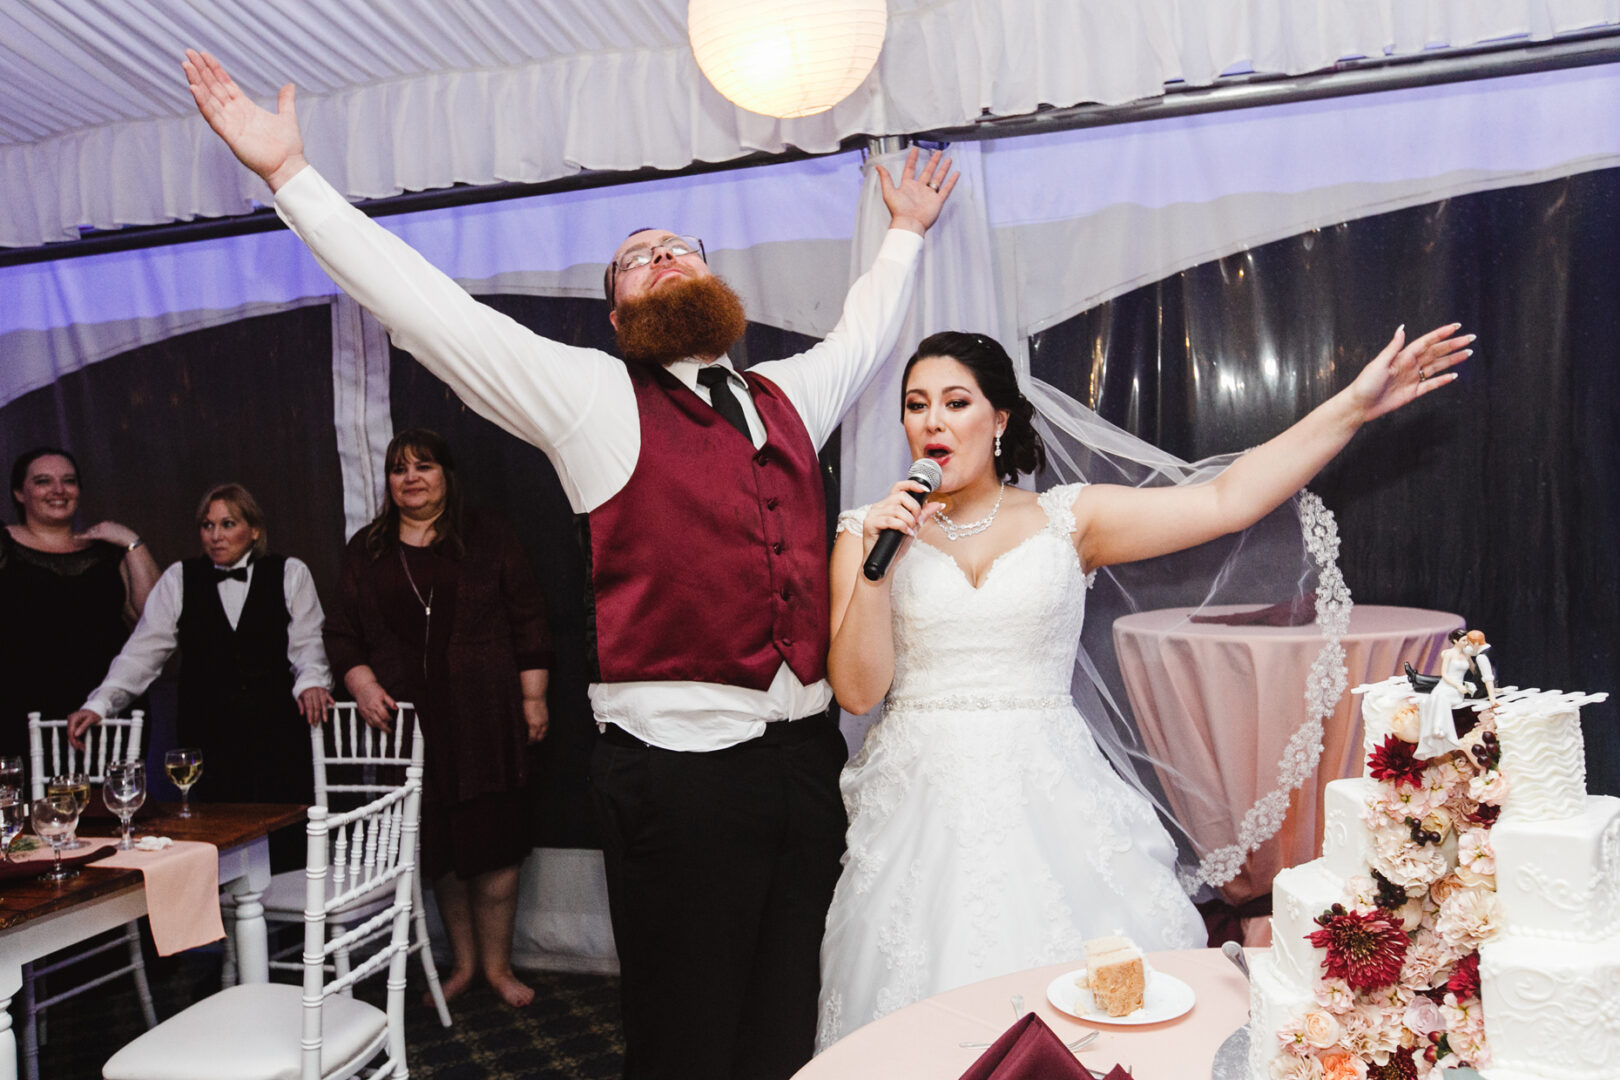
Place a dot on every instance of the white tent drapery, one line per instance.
(96, 128)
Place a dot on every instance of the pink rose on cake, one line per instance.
(1343, 1066)
(1423, 1016)
(1292, 1037)
(1321, 1029)
(1361, 893)
(1407, 724)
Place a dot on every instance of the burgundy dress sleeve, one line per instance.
(345, 639)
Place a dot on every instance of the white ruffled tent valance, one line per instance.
(96, 127)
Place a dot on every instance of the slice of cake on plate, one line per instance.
(1114, 975)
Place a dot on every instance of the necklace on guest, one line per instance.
(953, 531)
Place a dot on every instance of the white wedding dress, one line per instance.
(987, 831)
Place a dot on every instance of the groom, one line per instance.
(715, 777)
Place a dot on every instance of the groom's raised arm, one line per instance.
(541, 391)
(824, 381)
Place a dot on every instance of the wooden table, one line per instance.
(38, 917)
(920, 1042)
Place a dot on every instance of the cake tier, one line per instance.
(1552, 1008)
(1380, 701)
(1543, 754)
(1298, 895)
(1274, 1003)
(1561, 878)
(1344, 834)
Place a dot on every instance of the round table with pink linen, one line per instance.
(1187, 681)
(921, 1041)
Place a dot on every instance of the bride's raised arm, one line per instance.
(1117, 524)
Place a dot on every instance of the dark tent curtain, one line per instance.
(1498, 497)
(157, 426)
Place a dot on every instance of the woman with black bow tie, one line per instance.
(248, 627)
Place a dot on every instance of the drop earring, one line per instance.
(998, 444)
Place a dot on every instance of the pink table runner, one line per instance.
(182, 890)
(920, 1041)
(1219, 703)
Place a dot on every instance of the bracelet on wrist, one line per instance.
(135, 543)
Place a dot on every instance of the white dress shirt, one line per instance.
(579, 406)
(157, 635)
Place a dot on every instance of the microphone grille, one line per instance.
(927, 472)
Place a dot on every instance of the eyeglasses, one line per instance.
(674, 246)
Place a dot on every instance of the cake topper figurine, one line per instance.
(1465, 674)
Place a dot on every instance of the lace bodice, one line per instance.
(1012, 638)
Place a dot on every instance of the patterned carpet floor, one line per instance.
(570, 1031)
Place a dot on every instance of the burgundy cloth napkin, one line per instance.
(1029, 1050)
(32, 868)
(1296, 612)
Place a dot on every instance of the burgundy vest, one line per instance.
(710, 565)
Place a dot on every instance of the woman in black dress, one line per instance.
(437, 606)
(67, 598)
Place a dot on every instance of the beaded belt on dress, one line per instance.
(973, 702)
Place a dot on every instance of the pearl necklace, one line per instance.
(953, 531)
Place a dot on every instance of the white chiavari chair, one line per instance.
(354, 761)
(116, 738)
(319, 1031)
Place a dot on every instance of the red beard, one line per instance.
(702, 317)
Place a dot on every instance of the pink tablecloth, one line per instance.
(182, 890)
(920, 1041)
(1220, 702)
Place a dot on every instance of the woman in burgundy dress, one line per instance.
(437, 606)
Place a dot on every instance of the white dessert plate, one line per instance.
(1164, 998)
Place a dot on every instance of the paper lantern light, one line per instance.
(786, 58)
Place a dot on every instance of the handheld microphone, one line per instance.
(926, 472)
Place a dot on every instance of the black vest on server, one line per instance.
(236, 699)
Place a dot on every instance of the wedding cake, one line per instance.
(1465, 910)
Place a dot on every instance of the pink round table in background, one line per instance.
(1188, 681)
(920, 1042)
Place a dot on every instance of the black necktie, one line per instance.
(239, 574)
(718, 380)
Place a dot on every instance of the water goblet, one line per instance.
(11, 772)
(75, 786)
(185, 768)
(54, 821)
(13, 815)
(124, 792)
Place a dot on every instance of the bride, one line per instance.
(988, 833)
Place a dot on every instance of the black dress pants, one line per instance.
(720, 869)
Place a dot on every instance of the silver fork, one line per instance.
(1078, 1044)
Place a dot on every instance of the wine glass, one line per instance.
(185, 767)
(54, 821)
(11, 772)
(13, 814)
(75, 786)
(124, 792)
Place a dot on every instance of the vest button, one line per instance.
(787, 643)
(785, 593)
(762, 458)
(770, 503)
(777, 547)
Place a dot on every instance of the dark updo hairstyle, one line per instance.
(419, 444)
(19, 473)
(1021, 447)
